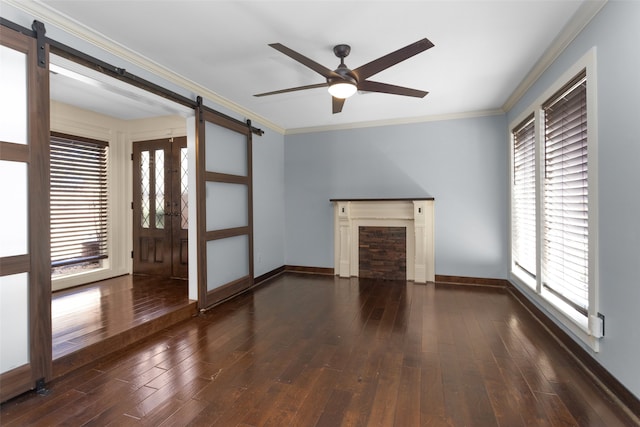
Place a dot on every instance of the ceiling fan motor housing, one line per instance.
(342, 51)
(345, 75)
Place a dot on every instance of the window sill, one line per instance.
(69, 281)
(523, 277)
(572, 322)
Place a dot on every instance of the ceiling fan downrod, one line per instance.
(342, 51)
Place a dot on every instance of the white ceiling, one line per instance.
(92, 90)
(483, 50)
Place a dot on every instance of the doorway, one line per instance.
(160, 208)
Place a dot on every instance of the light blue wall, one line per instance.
(461, 163)
(268, 201)
(615, 32)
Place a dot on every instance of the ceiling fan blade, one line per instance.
(369, 86)
(310, 63)
(337, 104)
(293, 89)
(384, 62)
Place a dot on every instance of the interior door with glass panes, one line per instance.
(25, 257)
(224, 204)
(160, 209)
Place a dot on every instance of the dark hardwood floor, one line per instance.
(89, 314)
(308, 350)
(90, 321)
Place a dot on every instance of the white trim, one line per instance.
(393, 122)
(586, 328)
(587, 11)
(192, 201)
(576, 328)
(594, 203)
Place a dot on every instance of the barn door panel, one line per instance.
(225, 230)
(25, 260)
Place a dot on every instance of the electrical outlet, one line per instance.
(597, 325)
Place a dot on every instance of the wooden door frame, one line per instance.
(207, 298)
(37, 263)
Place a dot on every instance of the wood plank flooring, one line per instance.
(89, 314)
(306, 350)
(92, 321)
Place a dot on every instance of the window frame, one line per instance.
(587, 328)
(566, 160)
(528, 276)
(104, 244)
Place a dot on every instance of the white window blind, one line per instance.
(524, 196)
(565, 248)
(78, 200)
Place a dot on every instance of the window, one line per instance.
(78, 204)
(524, 196)
(565, 254)
(553, 201)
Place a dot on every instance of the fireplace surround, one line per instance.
(416, 215)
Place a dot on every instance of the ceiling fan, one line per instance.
(343, 82)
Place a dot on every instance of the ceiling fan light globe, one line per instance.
(342, 90)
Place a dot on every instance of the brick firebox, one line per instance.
(382, 253)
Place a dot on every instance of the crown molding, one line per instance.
(585, 13)
(394, 122)
(41, 11)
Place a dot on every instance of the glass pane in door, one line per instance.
(227, 260)
(145, 188)
(14, 234)
(159, 169)
(184, 189)
(13, 102)
(14, 321)
(225, 150)
(226, 205)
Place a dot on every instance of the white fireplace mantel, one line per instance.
(416, 215)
